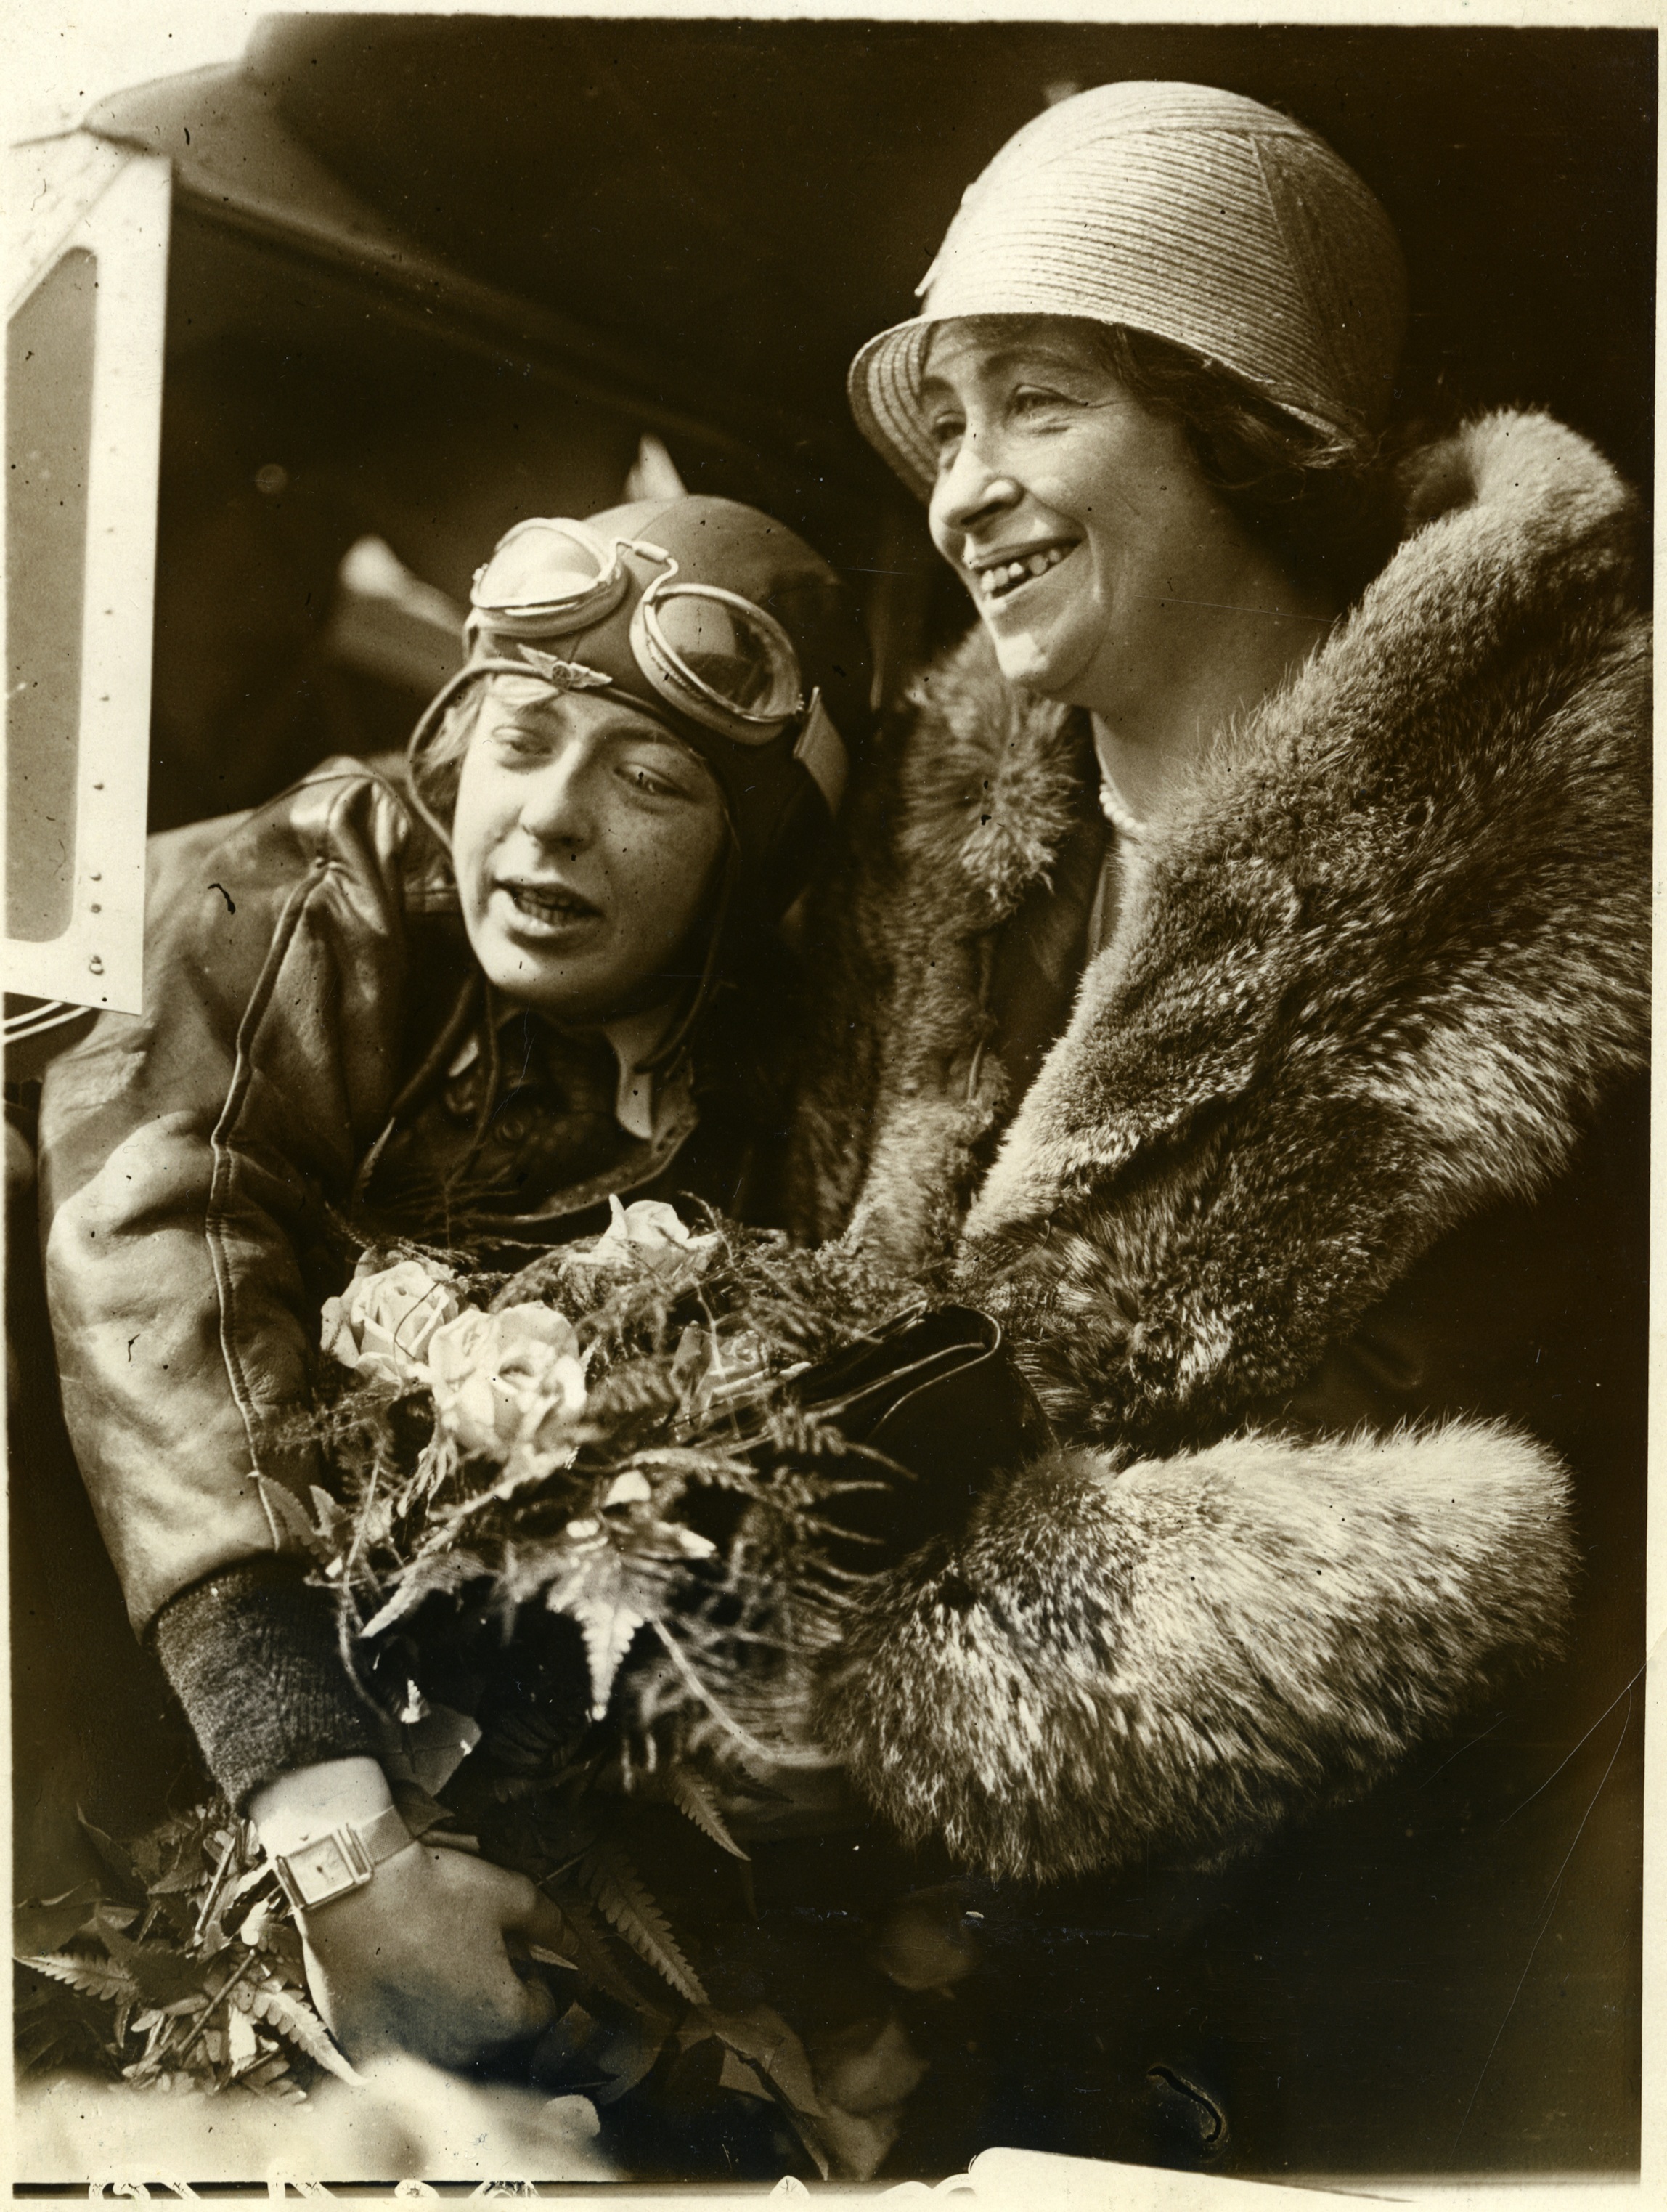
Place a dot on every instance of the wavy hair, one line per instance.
(1326, 503)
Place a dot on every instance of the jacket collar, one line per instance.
(641, 1099)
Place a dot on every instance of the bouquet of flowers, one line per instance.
(592, 1524)
(614, 1434)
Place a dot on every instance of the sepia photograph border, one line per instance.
(61, 62)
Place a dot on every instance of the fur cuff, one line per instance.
(1190, 1651)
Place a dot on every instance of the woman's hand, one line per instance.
(421, 1959)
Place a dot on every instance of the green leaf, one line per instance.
(47, 1923)
(181, 1881)
(761, 2035)
(162, 1975)
(212, 1935)
(268, 2070)
(600, 2056)
(266, 1929)
(736, 2074)
(91, 1976)
(542, 1957)
(625, 2051)
(185, 2007)
(762, 2038)
(250, 1878)
(58, 2027)
(688, 1794)
(243, 2046)
(618, 1889)
(120, 1861)
(295, 2020)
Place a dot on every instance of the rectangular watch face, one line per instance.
(325, 1866)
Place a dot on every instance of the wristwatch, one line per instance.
(328, 1866)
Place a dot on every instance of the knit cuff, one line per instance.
(252, 1655)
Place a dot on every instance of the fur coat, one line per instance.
(1369, 985)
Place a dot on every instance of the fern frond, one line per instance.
(91, 1978)
(286, 1510)
(690, 1797)
(609, 1626)
(618, 1889)
(590, 1939)
(434, 1571)
(295, 2020)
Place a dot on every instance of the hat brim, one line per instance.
(884, 389)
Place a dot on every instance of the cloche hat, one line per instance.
(1195, 215)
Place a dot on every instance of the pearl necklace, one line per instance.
(1125, 823)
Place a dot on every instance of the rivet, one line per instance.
(98, 786)
(96, 907)
(96, 965)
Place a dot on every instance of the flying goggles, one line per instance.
(713, 655)
(594, 607)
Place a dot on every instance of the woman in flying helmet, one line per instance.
(469, 1008)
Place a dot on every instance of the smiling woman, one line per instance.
(1240, 983)
(1109, 572)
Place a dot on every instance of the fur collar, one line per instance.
(1373, 978)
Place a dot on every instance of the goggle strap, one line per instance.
(822, 753)
(673, 567)
(673, 1046)
(427, 722)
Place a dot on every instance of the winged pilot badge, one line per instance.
(565, 675)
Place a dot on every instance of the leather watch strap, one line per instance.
(343, 1858)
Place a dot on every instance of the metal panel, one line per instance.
(83, 423)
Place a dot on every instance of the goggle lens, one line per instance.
(706, 651)
(737, 654)
(543, 564)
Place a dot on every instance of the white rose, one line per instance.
(505, 1379)
(646, 1234)
(384, 1322)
